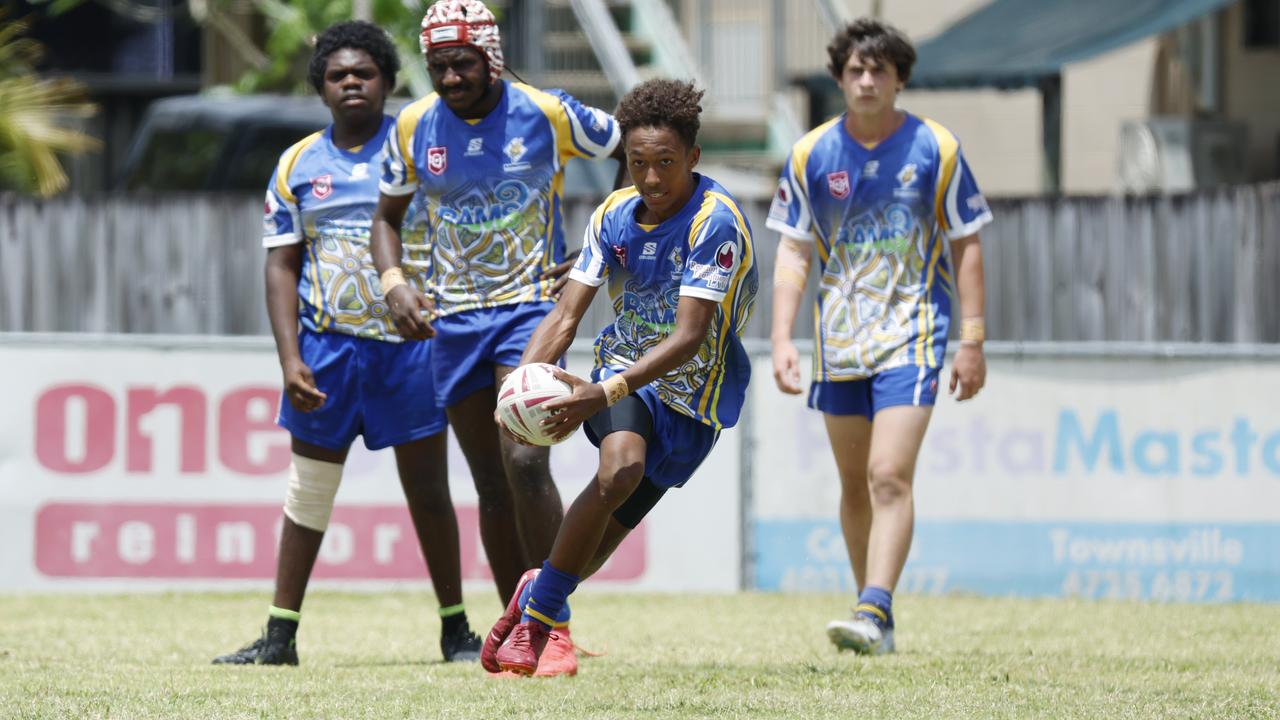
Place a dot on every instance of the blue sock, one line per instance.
(550, 590)
(876, 603)
(562, 618)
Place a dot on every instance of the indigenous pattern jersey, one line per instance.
(324, 197)
(882, 219)
(491, 190)
(704, 251)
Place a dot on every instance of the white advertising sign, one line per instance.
(1127, 477)
(127, 462)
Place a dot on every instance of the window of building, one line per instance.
(1262, 23)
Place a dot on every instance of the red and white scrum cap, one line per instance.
(463, 23)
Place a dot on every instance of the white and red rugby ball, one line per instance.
(521, 397)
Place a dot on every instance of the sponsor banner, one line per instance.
(1101, 453)
(1115, 561)
(133, 461)
(127, 540)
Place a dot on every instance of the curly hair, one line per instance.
(872, 40)
(662, 103)
(355, 35)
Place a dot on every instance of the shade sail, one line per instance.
(1017, 43)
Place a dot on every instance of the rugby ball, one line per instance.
(521, 397)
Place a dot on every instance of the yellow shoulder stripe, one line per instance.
(804, 147)
(616, 198)
(948, 151)
(288, 160)
(550, 106)
(700, 219)
(406, 125)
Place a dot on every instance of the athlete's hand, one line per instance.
(588, 398)
(411, 310)
(300, 387)
(506, 431)
(968, 371)
(561, 273)
(786, 367)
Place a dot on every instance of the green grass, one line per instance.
(748, 656)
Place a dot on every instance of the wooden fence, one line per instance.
(1193, 268)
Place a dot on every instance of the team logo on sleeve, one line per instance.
(437, 160)
(620, 254)
(269, 208)
(838, 184)
(781, 200)
(727, 255)
(322, 187)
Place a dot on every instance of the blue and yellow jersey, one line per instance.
(704, 251)
(492, 189)
(881, 219)
(324, 197)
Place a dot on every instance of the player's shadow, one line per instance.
(396, 663)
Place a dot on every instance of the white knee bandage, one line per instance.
(312, 486)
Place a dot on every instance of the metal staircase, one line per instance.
(564, 42)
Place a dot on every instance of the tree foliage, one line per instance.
(33, 116)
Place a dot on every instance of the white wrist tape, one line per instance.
(312, 487)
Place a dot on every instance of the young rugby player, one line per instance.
(346, 370)
(486, 157)
(670, 371)
(888, 203)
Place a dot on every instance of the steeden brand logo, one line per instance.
(360, 171)
(650, 251)
(322, 187)
(437, 160)
(475, 146)
(838, 184)
(870, 170)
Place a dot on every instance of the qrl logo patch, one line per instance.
(620, 254)
(322, 187)
(437, 160)
(838, 184)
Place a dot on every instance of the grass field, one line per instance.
(750, 656)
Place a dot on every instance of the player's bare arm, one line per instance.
(407, 304)
(790, 271)
(969, 370)
(693, 320)
(283, 267)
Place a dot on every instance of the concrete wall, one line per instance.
(1098, 95)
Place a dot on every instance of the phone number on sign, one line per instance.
(1165, 585)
